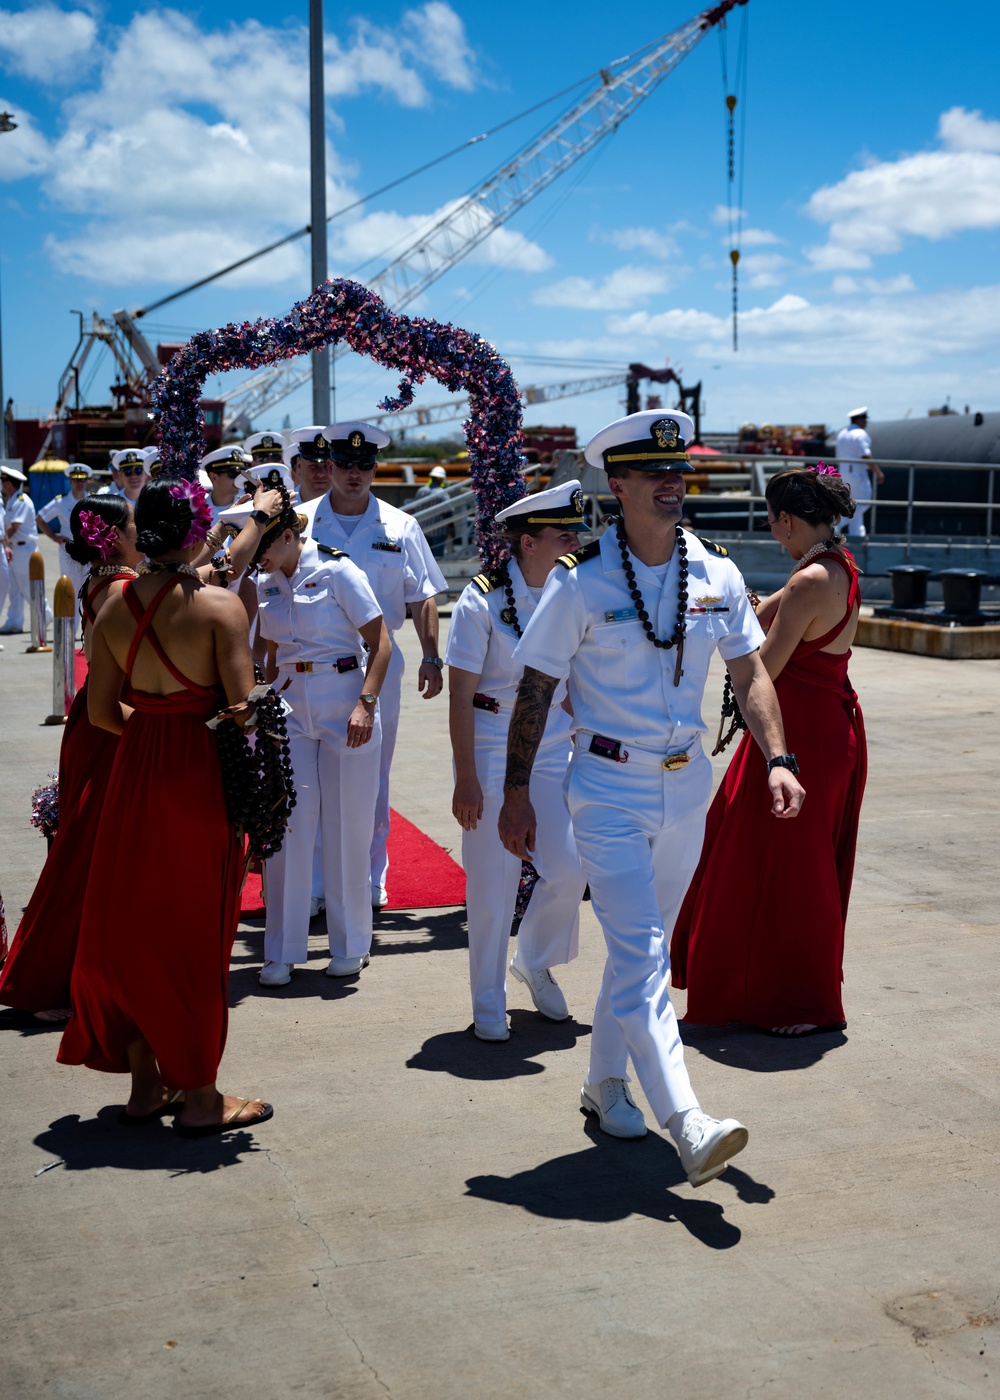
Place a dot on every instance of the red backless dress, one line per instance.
(36, 975)
(162, 903)
(760, 936)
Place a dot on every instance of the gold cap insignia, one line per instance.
(356, 440)
(666, 431)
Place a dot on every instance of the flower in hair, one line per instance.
(201, 512)
(99, 534)
(821, 469)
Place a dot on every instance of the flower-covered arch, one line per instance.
(420, 348)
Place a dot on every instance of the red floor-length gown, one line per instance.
(760, 936)
(36, 974)
(162, 904)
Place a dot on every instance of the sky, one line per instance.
(156, 143)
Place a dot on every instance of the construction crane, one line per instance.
(624, 85)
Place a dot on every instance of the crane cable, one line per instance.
(735, 96)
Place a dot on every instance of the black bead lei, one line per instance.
(509, 614)
(677, 640)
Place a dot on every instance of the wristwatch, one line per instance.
(784, 760)
(260, 517)
(368, 698)
(434, 661)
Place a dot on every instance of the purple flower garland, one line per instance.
(345, 310)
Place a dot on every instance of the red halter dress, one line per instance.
(162, 903)
(36, 975)
(760, 936)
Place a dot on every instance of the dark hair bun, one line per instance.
(818, 499)
(162, 520)
(113, 510)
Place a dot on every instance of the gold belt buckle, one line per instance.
(676, 760)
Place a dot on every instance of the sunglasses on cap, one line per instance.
(132, 471)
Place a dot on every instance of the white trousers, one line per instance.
(639, 832)
(335, 791)
(859, 482)
(20, 586)
(4, 579)
(550, 930)
(389, 700)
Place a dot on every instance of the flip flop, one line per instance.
(228, 1125)
(135, 1120)
(801, 1035)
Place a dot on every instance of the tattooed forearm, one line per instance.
(527, 725)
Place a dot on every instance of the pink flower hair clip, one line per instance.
(201, 512)
(821, 469)
(98, 534)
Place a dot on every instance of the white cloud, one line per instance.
(655, 242)
(758, 238)
(908, 330)
(46, 43)
(381, 235)
(176, 162)
(24, 151)
(884, 286)
(932, 195)
(626, 286)
(764, 269)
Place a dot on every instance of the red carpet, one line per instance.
(80, 667)
(422, 875)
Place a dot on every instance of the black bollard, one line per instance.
(961, 590)
(909, 585)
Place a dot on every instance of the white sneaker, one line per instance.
(491, 1030)
(706, 1145)
(275, 974)
(346, 967)
(380, 900)
(544, 989)
(316, 905)
(10, 630)
(616, 1109)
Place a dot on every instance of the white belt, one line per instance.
(614, 751)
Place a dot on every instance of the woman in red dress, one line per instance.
(760, 937)
(36, 974)
(149, 991)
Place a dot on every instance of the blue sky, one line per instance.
(157, 143)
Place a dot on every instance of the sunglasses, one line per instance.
(132, 471)
(354, 466)
(231, 472)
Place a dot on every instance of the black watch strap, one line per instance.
(784, 760)
(261, 517)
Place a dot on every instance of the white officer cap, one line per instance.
(561, 506)
(652, 441)
(152, 455)
(438, 473)
(129, 457)
(271, 474)
(265, 447)
(310, 442)
(13, 474)
(237, 516)
(231, 456)
(79, 471)
(354, 443)
(859, 412)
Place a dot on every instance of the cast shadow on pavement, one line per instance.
(429, 930)
(85, 1144)
(745, 1047)
(461, 1054)
(25, 1022)
(307, 981)
(612, 1180)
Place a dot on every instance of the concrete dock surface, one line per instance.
(431, 1218)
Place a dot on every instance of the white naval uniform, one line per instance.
(639, 826)
(389, 547)
(314, 617)
(22, 545)
(480, 641)
(854, 450)
(56, 515)
(4, 566)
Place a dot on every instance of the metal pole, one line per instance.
(63, 651)
(317, 142)
(36, 602)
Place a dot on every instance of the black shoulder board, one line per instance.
(330, 552)
(489, 579)
(714, 548)
(580, 556)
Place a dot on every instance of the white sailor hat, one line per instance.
(561, 506)
(231, 456)
(265, 447)
(129, 457)
(310, 442)
(235, 517)
(79, 471)
(13, 473)
(652, 441)
(355, 444)
(152, 455)
(271, 474)
(859, 412)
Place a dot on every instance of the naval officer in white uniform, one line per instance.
(20, 537)
(857, 469)
(633, 620)
(390, 548)
(225, 469)
(54, 521)
(486, 623)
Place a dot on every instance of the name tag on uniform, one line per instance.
(271, 592)
(389, 545)
(621, 615)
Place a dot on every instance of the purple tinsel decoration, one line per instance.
(420, 348)
(45, 807)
